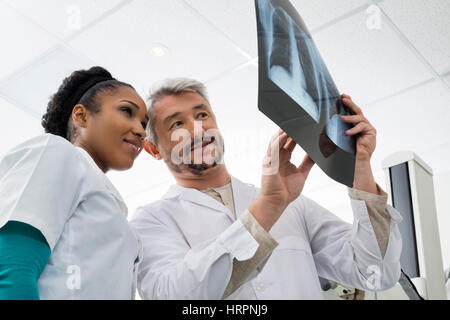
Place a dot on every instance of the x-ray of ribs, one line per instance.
(286, 68)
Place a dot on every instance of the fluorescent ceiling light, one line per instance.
(159, 50)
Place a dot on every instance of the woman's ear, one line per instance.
(80, 116)
(152, 148)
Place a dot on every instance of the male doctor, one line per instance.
(212, 236)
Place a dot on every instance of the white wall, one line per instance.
(442, 192)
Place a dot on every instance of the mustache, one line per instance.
(201, 142)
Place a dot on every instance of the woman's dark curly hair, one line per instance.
(81, 87)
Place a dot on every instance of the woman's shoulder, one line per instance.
(46, 142)
(48, 148)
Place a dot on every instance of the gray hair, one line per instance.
(167, 87)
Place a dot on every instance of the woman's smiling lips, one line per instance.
(135, 145)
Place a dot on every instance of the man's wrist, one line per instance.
(362, 161)
(363, 178)
(266, 211)
(275, 205)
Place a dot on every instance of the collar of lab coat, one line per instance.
(243, 195)
(106, 181)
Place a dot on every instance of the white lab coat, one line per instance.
(57, 188)
(190, 239)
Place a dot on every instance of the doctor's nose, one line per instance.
(197, 129)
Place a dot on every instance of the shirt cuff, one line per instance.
(266, 242)
(244, 270)
(377, 199)
(238, 241)
(380, 219)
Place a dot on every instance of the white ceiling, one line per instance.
(399, 73)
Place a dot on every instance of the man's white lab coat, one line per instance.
(190, 240)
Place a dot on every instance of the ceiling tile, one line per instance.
(22, 41)
(63, 17)
(368, 64)
(426, 24)
(319, 12)
(417, 121)
(447, 79)
(123, 43)
(44, 77)
(236, 18)
(16, 126)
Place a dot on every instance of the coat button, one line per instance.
(260, 286)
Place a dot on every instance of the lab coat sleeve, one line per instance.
(39, 184)
(379, 216)
(349, 253)
(248, 269)
(171, 269)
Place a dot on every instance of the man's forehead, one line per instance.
(182, 102)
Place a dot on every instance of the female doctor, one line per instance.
(63, 227)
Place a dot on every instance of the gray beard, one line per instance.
(196, 169)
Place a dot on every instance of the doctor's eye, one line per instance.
(176, 124)
(202, 115)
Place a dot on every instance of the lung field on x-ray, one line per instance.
(297, 92)
(286, 67)
(295, 66)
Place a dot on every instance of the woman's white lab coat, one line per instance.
(190, 239)
(57, 188)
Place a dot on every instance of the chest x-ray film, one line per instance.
(297, 92)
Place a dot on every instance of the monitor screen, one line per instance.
(402, 201)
